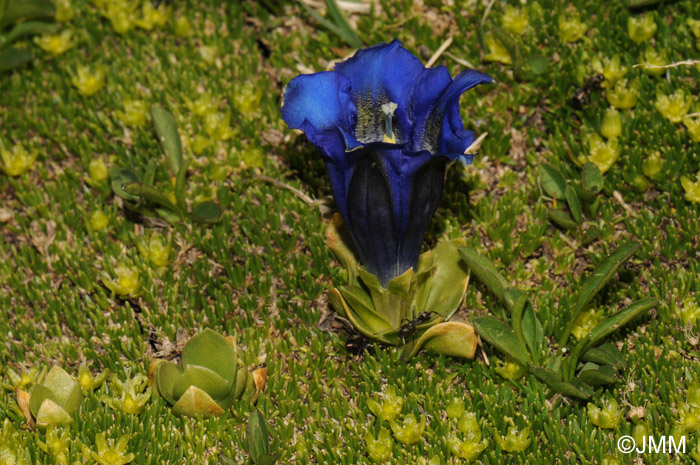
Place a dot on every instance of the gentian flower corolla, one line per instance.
(387, 128)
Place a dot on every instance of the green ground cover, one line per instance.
(262, 273)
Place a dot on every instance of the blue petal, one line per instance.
(320, 105)
(378, 75)
(444, 130)
(428, 90)
(318, 102)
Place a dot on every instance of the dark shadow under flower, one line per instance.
(387, 128)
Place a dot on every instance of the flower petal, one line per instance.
(428, 90)
(318, 102)
(370, 217)
(444, 130)
(378, 75)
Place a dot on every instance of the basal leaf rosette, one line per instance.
(54, 398)
(434, 290)
(210, 378)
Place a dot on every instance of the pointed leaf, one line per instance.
(29, 28)
(362, 308)
(148, 193)
(615, 322)
(14, 58)
(597, 375)
(597, 280)
(562, 219)
(195, 402)
(348, 33)
(120, 177)
(517, 316)
(605, 354)
(591, 178)
(575, 388)
(501, 336)
(181, 187)
(532, 332)
(166, 374)
(485, 271)
(552, 181)
(27, 9)
(168, 136)
(206, 212)
(574, 204)
(211, 350)
(452, 338)
(258, 440)
(441, 287)
(50, 413)
(267, 459)
(205, 379)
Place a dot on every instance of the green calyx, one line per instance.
(413, 309)
(209, 380)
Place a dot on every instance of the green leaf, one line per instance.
(532, 332)
(120, 177)
(592, 179)
(258, 440)
(223, 460)
(335, 29)
(485, 271)
(206, 212)
(181, 187)
(451, 338)
(552, 181)
(205, 379)
(28, 28)
(168, 136)
(517, 316)
(441, 279)
(605, 354)
(597, 280)
(574, 204)
(14, 58)
(267, 459)
(538, 64)
(149, 193)
(166, 375)
(348, 33)
(211, 350)
(562, 219)
(615, 322)
(575, 388)
(596, 375)
(501, 336)
(26, 10)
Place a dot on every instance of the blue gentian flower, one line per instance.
(387, 128)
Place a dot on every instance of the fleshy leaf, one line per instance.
(452, 338)
(120, 177)
(362, 308)
(205, 379)
(339, 240)
(138, 189)
(532, 332)
(552, 181)
(360, 325)
(573, 203)
(562, 219)
(597, 375)
(206, 212)
(591, 178)
(166, 375)
(575, 388)
(485, 271)
(501, 336)
(61, 388)
(211, 350)
(441, 280)
(597, 280)
(258, 440)
(605, 354)
(196, 402)
(50, 413)
(169, 138)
